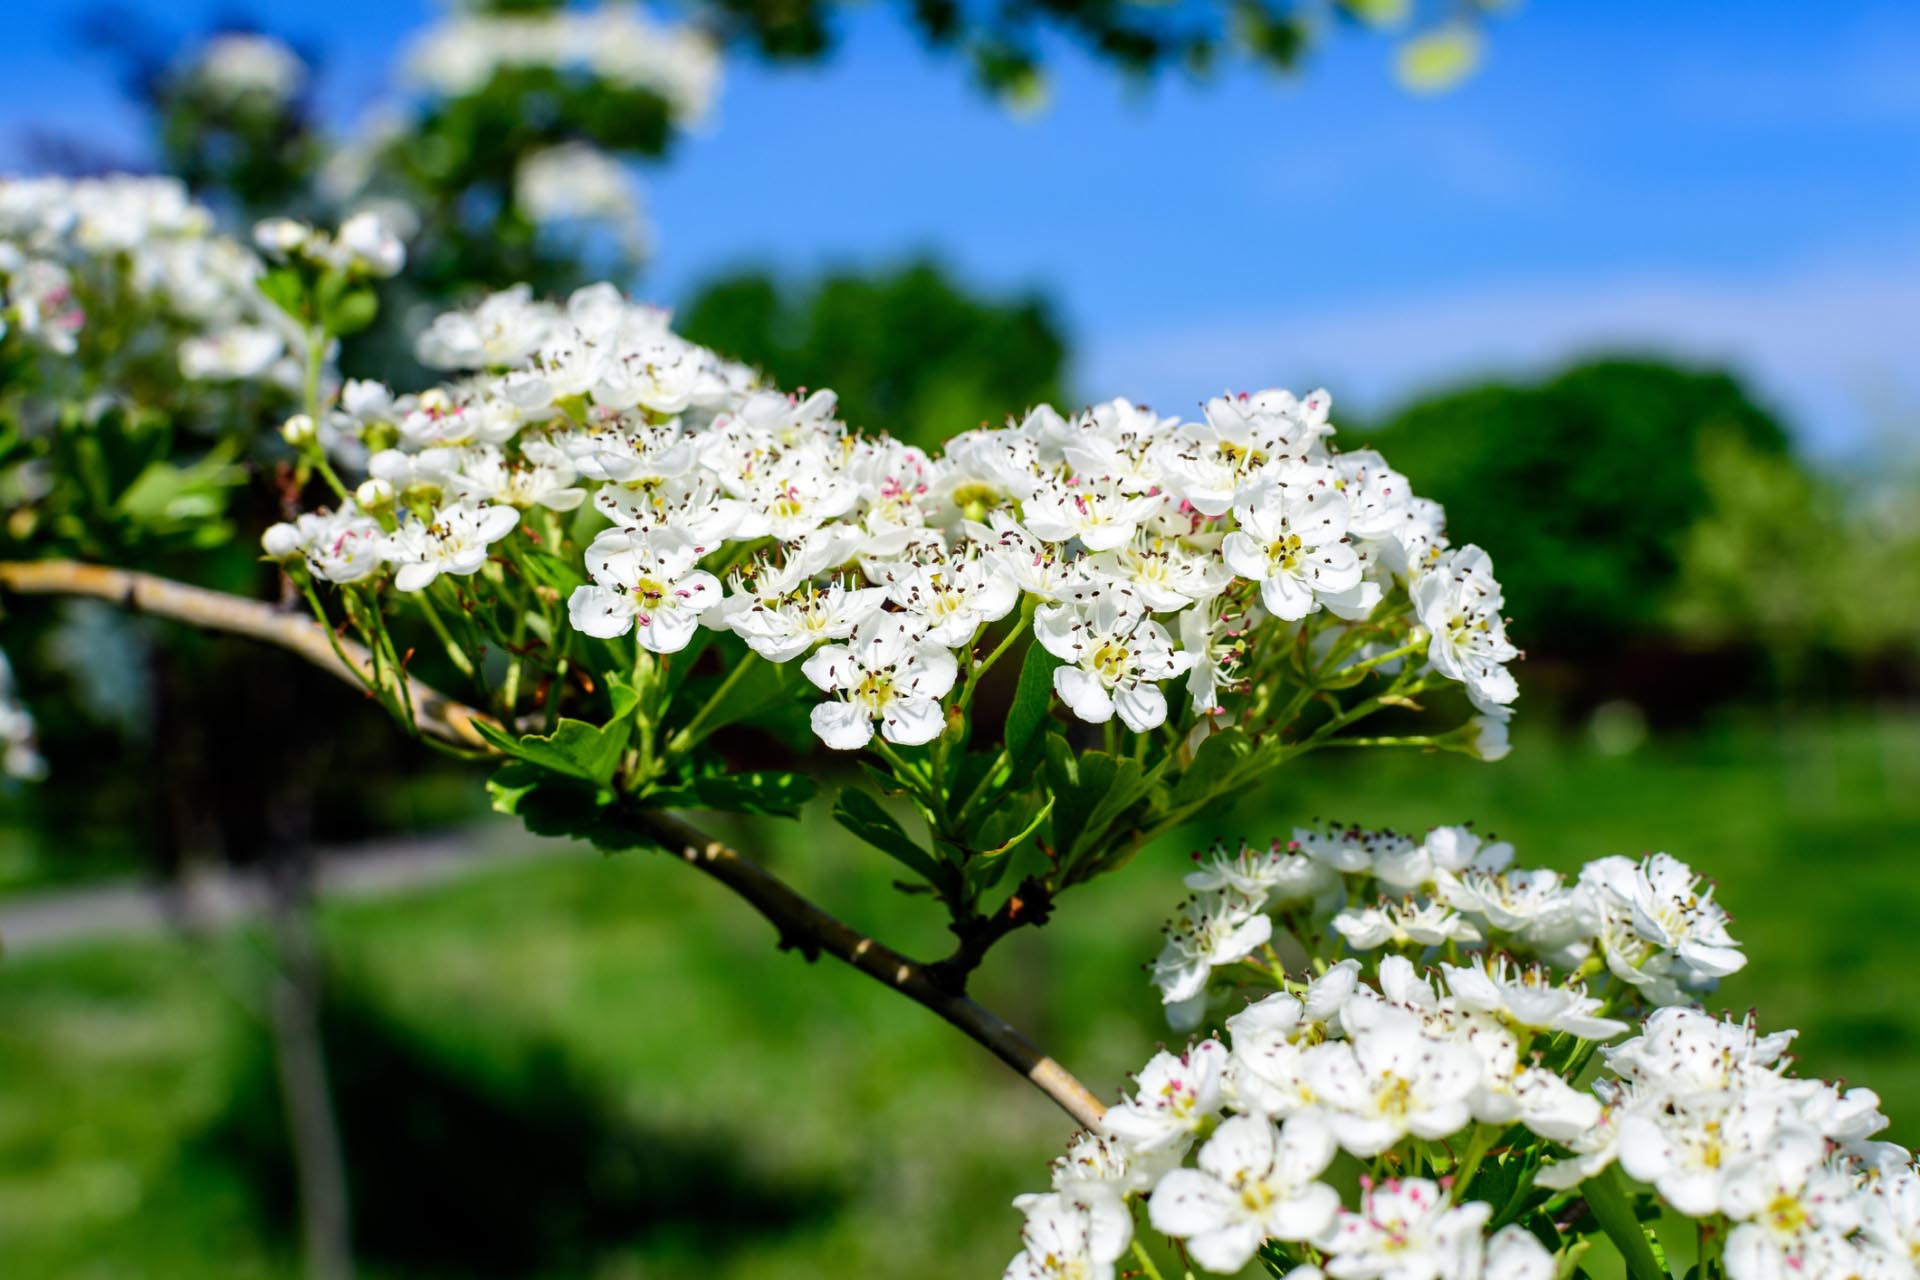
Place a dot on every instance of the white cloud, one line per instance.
(1830, 343)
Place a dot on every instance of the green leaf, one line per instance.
(1090, 790)
(1214, 767)
(576, 749)
(1024, 834)
(861, 814)
(772, 793)
(1032, 697)
(1606, 1195)
(351, 312)
(283, 288)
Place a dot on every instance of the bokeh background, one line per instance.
(1634, 288)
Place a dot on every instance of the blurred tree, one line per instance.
(1807, 567)
(1585, 487)
(909, 350)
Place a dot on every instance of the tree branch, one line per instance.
(809, 930)
(802, 925)
(434, 712)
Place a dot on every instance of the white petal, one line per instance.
(600, 611)
(912, 721)
(415, 576)
(1285, 598)
(1187, 1202)
(667, 630)
(1142, 707)
(842, 725)
(1083, 694)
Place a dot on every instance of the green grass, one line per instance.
(620, 1032)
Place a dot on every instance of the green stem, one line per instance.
(1146, 1262)
(689, 733)
(454, 651)
(1406, 650)
(1020, 628)
(1477, 1148)
(1606, 1195)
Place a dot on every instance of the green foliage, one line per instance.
(1801, 564)
(909, 350)
(1005, 44)
(1583, 486)
(122, 486)
(861, 814)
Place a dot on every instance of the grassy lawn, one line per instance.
(603, 1067)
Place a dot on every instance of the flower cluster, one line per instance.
(138, 259)
(1707, 1113)
(613, 42)
(1650, 922)
(1140, 547)
(364, 245)
(1348, 1124)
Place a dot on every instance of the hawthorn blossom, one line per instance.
(1069, 1239)
(888, 672)
(1406, 1230)
(454, 541)
(1458, 602)
(1255, 1182)
(1114, 656)
(1174, 1095)
(1291, 541)
(647, 583)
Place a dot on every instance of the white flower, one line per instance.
(1097, 1166)
(1101, 513)
(784, 627)
(367, 244)
(1548, 1105)
(1265, 874)
(1070, 1239)
(1217, 644)
(455, 541)
(1514, 1254)
(542, 477)
(1175, 1095)
(237, 353)
(1391, 1079)
(1164, 573)
(236, 64)
(1458, 602)
(503, 331)
(345, 546)
(1214, 928)
(646, 582)
(1115, 656)
(1411, 922)
(1254, 1183)
(888, 672)
(954, 598)
(1659, 929)
(1291, 541)
(1405, 1230)
(1528, 997)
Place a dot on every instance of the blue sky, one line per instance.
(1736, 183)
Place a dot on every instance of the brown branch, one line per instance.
(147, 593)
(801, 925)
(806, 928)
